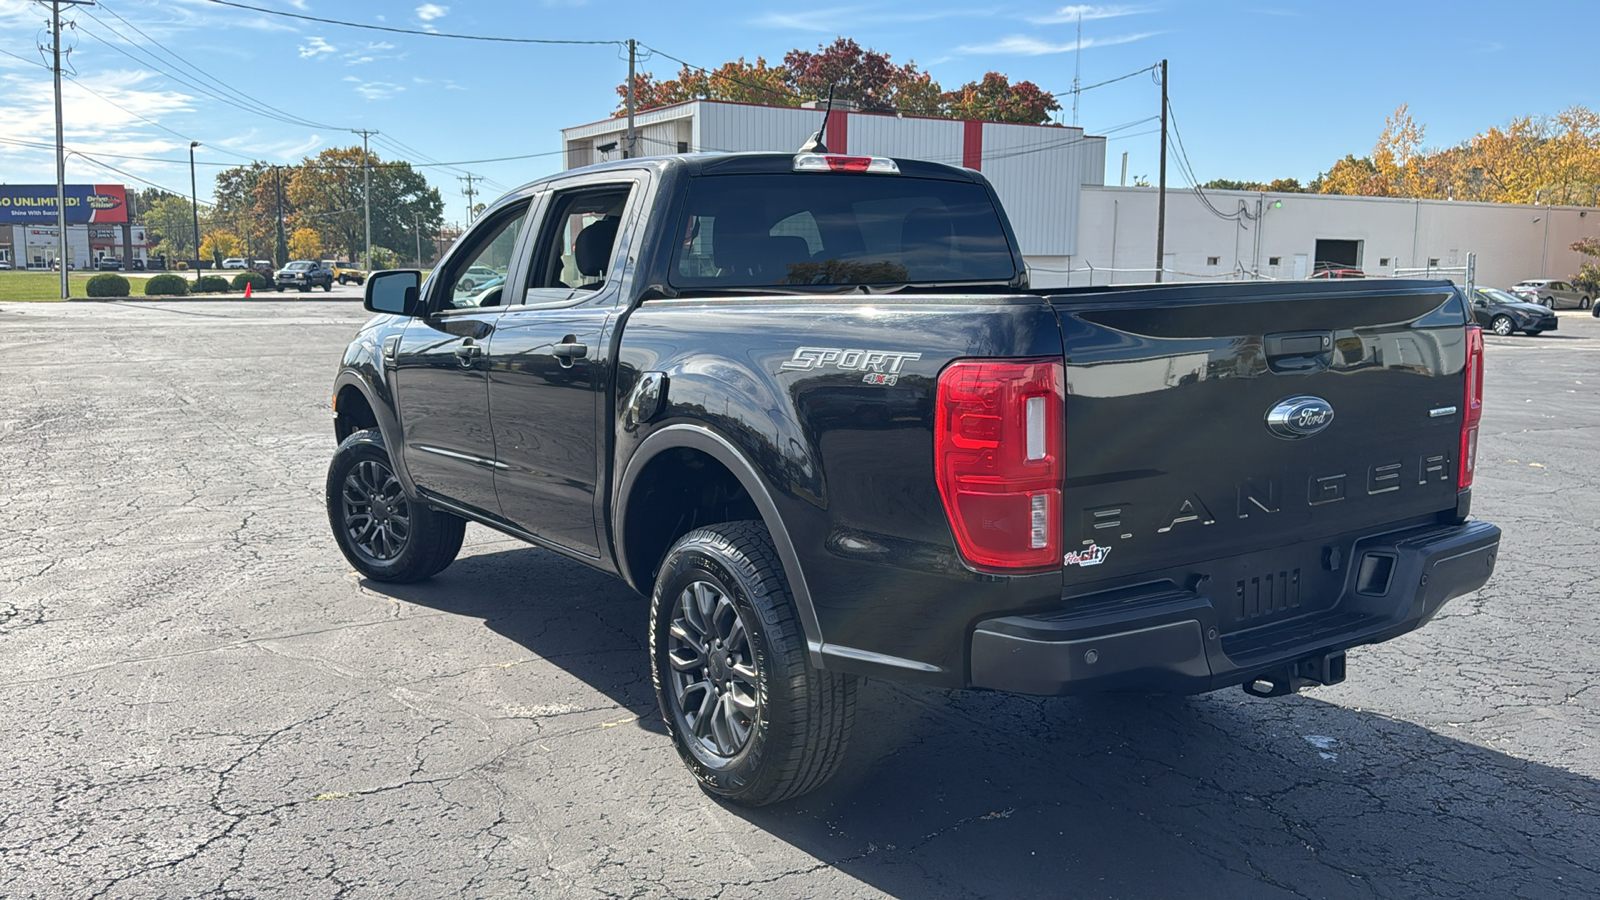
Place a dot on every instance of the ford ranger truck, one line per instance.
(809, 405)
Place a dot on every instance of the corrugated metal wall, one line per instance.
(1037, 171)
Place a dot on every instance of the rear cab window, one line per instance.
(838, 230)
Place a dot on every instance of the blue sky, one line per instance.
(1259, 89)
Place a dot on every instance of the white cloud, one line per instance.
(1026, 45)
(371, 52)
(374, 90)
(1087, 13)
(317, 47)
(427, 12)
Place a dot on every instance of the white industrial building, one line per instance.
(1038, 170)
(1076, 230)
(1242, 235)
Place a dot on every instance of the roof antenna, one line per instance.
(814, 143)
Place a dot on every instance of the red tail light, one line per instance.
(1471, 409)
(999, 443)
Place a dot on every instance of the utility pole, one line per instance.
(61, 147)
(470, 193)
(283, 246)
(1161, 201)
(416, 228)
(629, 150)
(194, 210)
(366, 191)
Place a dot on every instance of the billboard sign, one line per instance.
(35, 204)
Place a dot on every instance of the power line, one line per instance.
(416, 31)
(207, 75)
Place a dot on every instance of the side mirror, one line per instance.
(394, 291)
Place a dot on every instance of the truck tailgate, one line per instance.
(1172, 461)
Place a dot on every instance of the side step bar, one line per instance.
(1328, 668)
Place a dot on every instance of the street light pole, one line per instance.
(194, 209)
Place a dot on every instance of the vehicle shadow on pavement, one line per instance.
(584, 621)
(966, 793)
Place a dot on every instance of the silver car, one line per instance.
(1552, 293)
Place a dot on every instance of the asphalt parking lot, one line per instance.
(201, 698)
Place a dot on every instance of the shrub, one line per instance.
(107, 285)
(1588, 279)
(256, 280)
(166, 286)
(211, 284)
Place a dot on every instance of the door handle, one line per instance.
(569, 350)
(467, 353)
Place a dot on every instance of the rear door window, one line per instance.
(838, 230)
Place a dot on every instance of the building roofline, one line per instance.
(859, 112)
(1289, 195)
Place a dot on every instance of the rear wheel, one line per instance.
(383, 533)
(751, 718)
(1533, 332)
(1502, 325)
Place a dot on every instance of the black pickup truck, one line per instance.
(810, 406)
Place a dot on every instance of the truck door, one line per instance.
(550, 372)
(441, 373)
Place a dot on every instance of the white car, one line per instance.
(475, 276)
(234, 262)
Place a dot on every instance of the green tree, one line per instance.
(170, 222)
(327, 193)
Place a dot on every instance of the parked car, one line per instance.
(347, 272)
(875, 450)
(109, 264)
(303, 275)
(476, 276)
(235, 262)
(1505, 313)
(5, 266)
(157, 263)
(1551, 293)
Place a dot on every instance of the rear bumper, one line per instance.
(1173, 640)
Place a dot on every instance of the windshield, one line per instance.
(300, 265)
(829, 230)
(1498, 296)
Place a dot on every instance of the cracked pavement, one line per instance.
(203, 700)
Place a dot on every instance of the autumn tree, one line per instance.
(305, 243)
(170, 222)
(862, 76)
(738, 82)
(996, 99)
(325, 193)
(220, 244)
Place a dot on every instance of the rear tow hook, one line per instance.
(1327, 668)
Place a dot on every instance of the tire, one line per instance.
(327, 286)
(1583, 303)
(723, 587)
(341, 280)
(1501, 325)
(409, 541)
(466, 285)
(1533, 332)
(305, 288)
(279, 288)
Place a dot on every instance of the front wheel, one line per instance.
(327, 286)
(1502, 325)
(383, 533)
(1583, 303)
(1533, 332)
(751, 718)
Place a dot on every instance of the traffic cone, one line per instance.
(247, 286)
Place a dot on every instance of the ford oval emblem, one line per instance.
(1299, 417)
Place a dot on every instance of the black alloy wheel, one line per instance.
(750, 716)
(385, 534)
(715, 684)
(1502, 325)
(377, 518)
